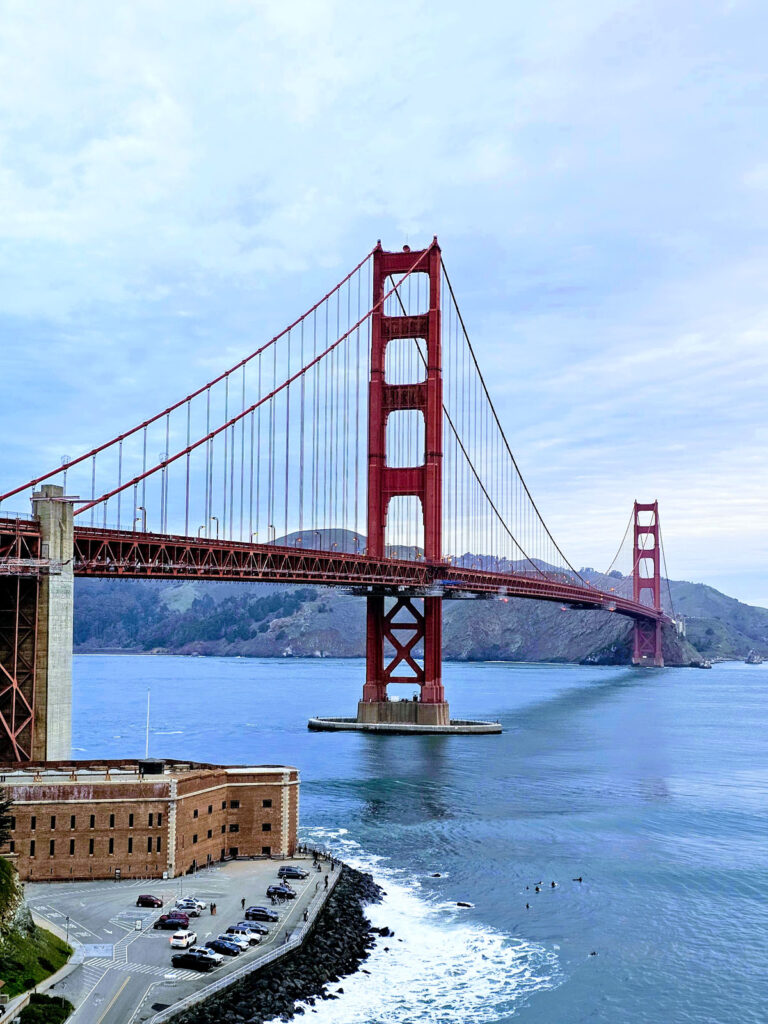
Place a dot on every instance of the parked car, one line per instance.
(227, 947)
(183, 939)
(281, 890)
(173, 920)
(192, 960)
(189, 907)
(201, 904)
(244, 933)
(212, 954)
(253, 926)
(291, 871)
(149, 901)
(261, 914)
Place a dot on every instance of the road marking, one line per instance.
(114, 1000)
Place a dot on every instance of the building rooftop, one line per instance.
(119, 770)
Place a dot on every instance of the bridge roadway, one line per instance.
(108, 553)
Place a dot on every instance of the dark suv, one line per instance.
(197, 961)
(291, 871)
(149, 901)
(284, 891)
(261, 914)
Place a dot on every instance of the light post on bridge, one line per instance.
(142, 518)
(216, 520)
(274, 533)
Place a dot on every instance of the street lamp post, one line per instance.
(274, 533)
(216, 520)
(142, 518)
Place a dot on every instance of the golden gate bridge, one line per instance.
(358, 448)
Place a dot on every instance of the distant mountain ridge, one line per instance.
(276, 620)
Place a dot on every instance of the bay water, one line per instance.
(649, 785)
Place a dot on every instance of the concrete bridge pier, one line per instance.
(52, 730)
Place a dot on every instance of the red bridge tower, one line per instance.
(646, 580)
(404, 625)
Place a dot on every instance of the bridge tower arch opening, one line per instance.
(394, 632)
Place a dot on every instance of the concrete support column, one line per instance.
(52, 734)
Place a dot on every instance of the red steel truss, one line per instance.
(20, 564)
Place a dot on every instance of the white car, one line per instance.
(202, 905)
(209, 954)
(252, 938)
(237, 940)
(183, 939)
(189, 907)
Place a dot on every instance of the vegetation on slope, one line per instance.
(263, 620)
(46, 1010)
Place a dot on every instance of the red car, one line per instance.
(176, 921)
(149, 901)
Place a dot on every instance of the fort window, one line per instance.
(158, 843)
(71, 847)
(72, 821)
(13, 823)
(32, 823)
(149, 844)
(130, 844)
(266, 803)
(111, 821)
(210, 808)
(234, 804)
(194, 838)
(53, 822)
(266, 827)
(93, 821)
(52, 848)
(31, 847)
(266, 851)
(234, 828)
(12, 846)
(151, 820)
(159, 820)
(210, 833)
(90, 847)
(195, 813)
(223, 805)
(223, 828)
(130, 821)
(111, 847)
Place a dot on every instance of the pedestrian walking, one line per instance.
(326, 881)
(242, 903)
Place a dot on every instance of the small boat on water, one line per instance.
(753, 658)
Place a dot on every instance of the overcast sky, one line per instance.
(179, 180)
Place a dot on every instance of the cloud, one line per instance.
(177, 181)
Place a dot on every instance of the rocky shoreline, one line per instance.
(339, 943)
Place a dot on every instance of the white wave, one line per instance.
(171, 732)
(439, 967)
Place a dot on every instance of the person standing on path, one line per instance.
(242, 903)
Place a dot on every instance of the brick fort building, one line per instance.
(145, 819)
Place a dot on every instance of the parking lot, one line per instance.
(124, 971)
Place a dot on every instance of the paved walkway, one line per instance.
(125, 973)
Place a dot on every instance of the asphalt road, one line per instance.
(125, 973)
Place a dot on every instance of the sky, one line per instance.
(180, 180)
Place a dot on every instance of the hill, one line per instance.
(273, 620)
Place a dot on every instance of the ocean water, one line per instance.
(652, 786)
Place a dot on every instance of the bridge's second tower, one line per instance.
(392, 635)
(646, 584)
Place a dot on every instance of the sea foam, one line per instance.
(439, 966)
